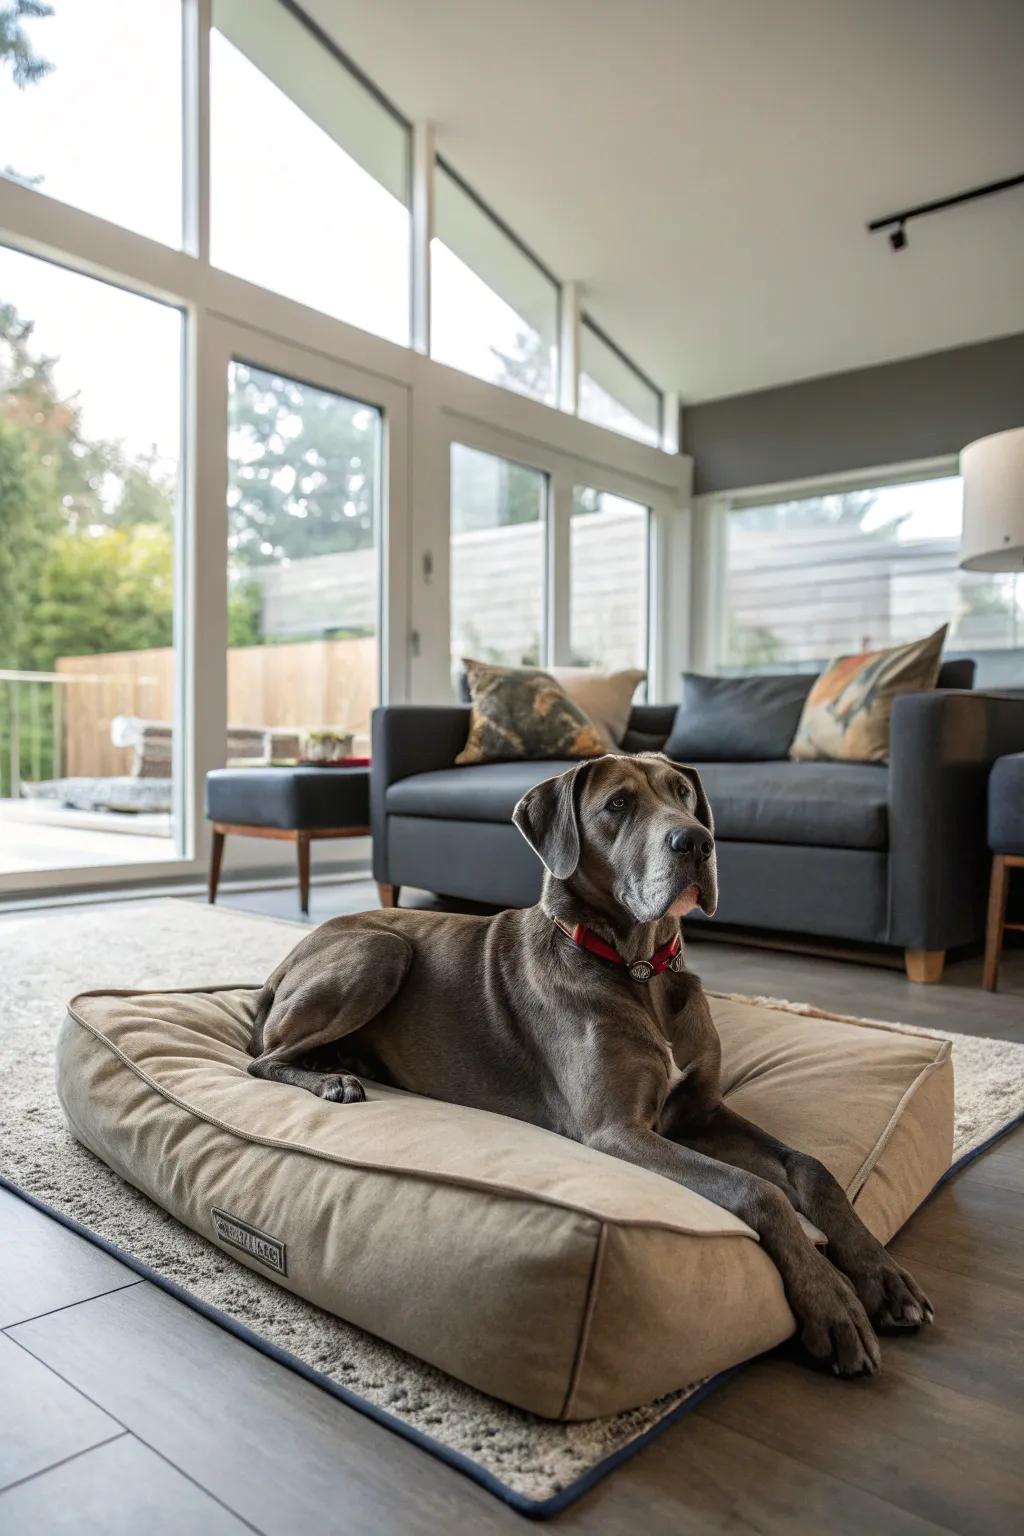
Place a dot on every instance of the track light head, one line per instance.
(898, 237)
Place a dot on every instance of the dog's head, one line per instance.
(633, 830)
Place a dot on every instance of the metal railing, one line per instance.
(33, 723)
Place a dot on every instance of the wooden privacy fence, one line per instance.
(306, 684)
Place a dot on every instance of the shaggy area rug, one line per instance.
(536, 1465)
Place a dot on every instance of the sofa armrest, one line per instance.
(408, 739)
(943, 745)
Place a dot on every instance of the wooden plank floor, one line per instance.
(123, 1410)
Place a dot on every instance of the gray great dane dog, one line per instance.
(579, 1015)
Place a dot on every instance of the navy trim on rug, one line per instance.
(536, 1509)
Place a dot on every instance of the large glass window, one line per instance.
(90, 414)
(303, 513)
(498, 515)
(309, 172)
(494, 311)
(613, 393)
(94, 113)
(608, 580)
(820, 576)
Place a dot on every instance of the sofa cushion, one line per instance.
(481, 792)
(831, 805)
(737, 719)
(549, 1274)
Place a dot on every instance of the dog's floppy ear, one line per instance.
(702, 811)
(548, 817)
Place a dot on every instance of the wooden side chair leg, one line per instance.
(216, 855)
(997, 893)
(388, 894)
(302, 848)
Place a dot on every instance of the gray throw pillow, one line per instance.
(737, 719)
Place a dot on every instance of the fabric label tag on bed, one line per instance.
(260, 1246)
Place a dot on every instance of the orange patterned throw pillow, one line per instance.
(848, 711)
(521, 712)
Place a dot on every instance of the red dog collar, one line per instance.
(667, 958)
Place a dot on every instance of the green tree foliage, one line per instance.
(28, 517)
(85, 534)
(16, 51)
(102, 592)
(304, 470)
(245, 613)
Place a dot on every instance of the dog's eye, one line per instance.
(617, 803)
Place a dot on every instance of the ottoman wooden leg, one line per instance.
(997, 892)
(388, 894)
(216, 854)
(924, 965)
(302, 848)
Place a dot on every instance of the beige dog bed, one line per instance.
(550, 1275)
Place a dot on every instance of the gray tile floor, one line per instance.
(123, 1411)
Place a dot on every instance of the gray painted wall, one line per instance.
(918, 408)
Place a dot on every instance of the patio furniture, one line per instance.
(299, 805)
(151, 744)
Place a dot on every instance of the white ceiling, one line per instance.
(705, 168)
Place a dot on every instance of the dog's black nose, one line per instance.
(692, 840)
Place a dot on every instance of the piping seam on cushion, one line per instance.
(870, 1162)
(278, 1144)
(585, 1322)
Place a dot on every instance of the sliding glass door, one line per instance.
(90, 462)
(609, 564)
(497, 560)
(303, 520)
(304, 507)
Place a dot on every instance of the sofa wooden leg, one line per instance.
(997, 892)
(924, 965)
(216, 854)
(302, 848)
(388, 894)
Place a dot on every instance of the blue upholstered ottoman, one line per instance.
(1006, 839)
(291, 804)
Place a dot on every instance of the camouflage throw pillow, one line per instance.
(848, 712)
(521, 712)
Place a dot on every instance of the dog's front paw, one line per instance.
(341, 1088)
(834, 1327)
(892, 1298)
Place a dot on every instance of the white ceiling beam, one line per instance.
(423, 167)
(569, 349)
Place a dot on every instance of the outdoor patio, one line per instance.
(36, 835)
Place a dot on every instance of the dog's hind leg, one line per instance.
(323, 998)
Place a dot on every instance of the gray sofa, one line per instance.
(888, 855)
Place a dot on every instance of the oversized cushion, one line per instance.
(737, 719)
(828, 805)
(548, 1274)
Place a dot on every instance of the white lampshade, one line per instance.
(993, 475)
